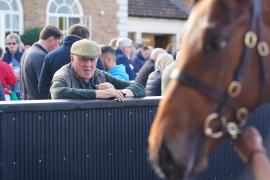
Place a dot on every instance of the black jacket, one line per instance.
(147, 68)
(138, 61)
(153, 85)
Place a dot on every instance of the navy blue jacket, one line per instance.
(138, 61)
(121, 58)
(53, 61)
(99, 64)
(8, 57)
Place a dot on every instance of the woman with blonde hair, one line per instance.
(153, 85)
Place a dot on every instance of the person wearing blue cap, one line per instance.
(80, 79)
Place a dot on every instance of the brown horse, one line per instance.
(222, 74)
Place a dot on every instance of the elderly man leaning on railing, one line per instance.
(80, 79)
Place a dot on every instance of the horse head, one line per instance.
(221, 75)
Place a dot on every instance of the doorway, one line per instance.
(157, 40)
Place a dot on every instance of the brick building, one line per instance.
(105, 18)
(157, 23)
(99, 15)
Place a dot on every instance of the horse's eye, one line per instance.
(215, 43)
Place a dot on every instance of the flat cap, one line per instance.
(86, 49)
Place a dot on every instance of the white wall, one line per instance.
(2, 31)
(122, 16)
(155, 26)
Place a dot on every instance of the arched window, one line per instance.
(11, 18)
(64, 13)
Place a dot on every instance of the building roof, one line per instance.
(168, 9)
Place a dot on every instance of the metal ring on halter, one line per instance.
(208, 130)
(250, 39)
(242, 115)
(263, 49)
(232, 129)
(234, 88)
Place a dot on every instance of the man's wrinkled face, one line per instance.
(84, 67)
(12, 45)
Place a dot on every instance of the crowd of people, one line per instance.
(79, 68)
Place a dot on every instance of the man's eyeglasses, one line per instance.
(11, 44)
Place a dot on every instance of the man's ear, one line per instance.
(71, 58)
(106, 58)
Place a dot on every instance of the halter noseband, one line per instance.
(226, 99)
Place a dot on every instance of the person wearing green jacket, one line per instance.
(80, 79)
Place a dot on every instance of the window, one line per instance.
(64, 13)
(11, 18)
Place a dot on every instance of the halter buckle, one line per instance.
(241, 115)
(250, 39)
(234, 89)
(208, 130)
(263, 49)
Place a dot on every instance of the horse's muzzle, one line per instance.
(166, 167)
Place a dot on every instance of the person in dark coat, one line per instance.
(32, 60)
(59, 57)
(123, 55)
(13, 56)
(141, 56)
(149, 66)
(153, 85)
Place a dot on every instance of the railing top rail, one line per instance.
(47, 105)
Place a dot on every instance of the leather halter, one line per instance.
(226, 98)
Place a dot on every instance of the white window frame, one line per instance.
(10, 12)
(64, 15)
